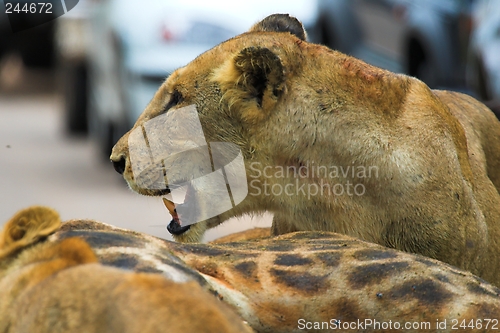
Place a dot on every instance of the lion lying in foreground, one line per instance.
(396, 163)
(303, 281)
(59, 287)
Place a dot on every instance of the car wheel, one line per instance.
(37, 49)
(107, 121)
(37, 59)
(75, 97)
(102, 133)
(1, 52)
(426, 73)
(105, 133)
(107, 140)
(326, 36)
(481, 84)
(419, 64)
(100, 129)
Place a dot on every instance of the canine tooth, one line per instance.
(170, 206)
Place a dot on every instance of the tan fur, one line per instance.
(251, 234)
(59, 287)
(314, 276)
(27, 227)
(288, 103)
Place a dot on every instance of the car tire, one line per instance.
(481, 84)
(38, 52)
(326, 36)
(2, 51)
(101, 132)
(37, 59)
(426, 73)
(75, 92)
(37, 46)
(105, 134)
(107, 140)
(419, 65)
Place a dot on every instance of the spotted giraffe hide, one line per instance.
(278, 284)
(60, 287)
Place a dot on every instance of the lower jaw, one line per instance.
(174, 227)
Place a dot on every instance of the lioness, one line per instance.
(330, 143)
(60, 287)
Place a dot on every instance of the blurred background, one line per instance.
(70, 88)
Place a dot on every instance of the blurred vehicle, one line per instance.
(72, 45)
(483, 65)
(34, 45)
(425, 38)
(134, 46)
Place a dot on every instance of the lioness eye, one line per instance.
(175, 98)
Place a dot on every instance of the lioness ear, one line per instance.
(252, 82)
(281, 23)
(27, 227)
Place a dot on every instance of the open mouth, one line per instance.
(170, 152)
(179, 223)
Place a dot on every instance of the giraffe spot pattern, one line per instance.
(103, 239)
(427, 291)
(371, 274)
(301, 281)
(291, 260)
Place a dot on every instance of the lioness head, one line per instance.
(237, 92)
(222, 126)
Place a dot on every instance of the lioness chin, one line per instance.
(329, 143)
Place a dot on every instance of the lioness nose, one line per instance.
(118, 163)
